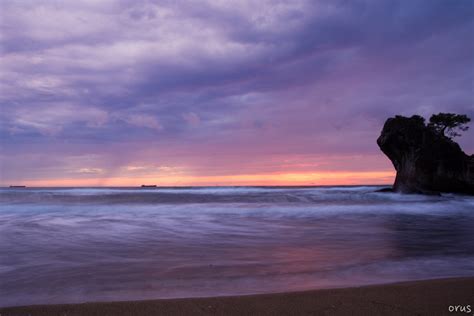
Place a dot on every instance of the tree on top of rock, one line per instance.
(448, 124)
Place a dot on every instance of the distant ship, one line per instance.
(18, 186)
(148, 185)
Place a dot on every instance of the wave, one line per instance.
(65, 245)
(305, 195)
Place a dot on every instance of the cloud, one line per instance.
(136, 168)
(192, 118)
(90, 171)
(230, 79)
(142, 120)
(50, 119)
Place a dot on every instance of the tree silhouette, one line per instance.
(448, 124)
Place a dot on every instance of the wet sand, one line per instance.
(429, 297)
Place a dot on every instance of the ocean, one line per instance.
(70, 245)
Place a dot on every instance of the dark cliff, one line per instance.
(425, 161)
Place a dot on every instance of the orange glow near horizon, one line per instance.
(272, 179)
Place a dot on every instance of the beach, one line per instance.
(428, 297)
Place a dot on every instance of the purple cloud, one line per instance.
(222, 87)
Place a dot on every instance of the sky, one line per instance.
(111, 93)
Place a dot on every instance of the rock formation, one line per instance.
(426, 161)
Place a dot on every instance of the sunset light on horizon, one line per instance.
(275, 179)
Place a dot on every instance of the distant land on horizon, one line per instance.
(199, 186)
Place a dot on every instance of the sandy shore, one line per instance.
(430, 297)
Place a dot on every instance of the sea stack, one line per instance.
(426, 162)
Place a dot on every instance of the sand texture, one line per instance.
(430, 297)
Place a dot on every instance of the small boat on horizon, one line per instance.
(18, 186)
(148, 185)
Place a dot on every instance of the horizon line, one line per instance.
(152, 186)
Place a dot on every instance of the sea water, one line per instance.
(69, 245)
